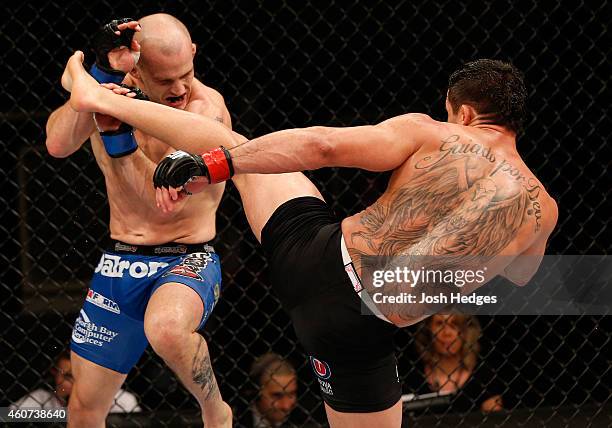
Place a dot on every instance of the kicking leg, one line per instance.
(262, 194)
(195, 133)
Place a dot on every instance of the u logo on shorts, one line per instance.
(321, 368)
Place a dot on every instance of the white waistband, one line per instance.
(349, 268)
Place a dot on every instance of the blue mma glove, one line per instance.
(104, 41)
(121, 142)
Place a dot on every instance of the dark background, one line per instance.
(282, 64)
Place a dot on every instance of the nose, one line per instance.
(177, 88)
(285, 404)
(446, 333)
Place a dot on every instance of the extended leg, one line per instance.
(262, 194)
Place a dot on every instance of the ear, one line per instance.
(466, 114)
(193, 49)
(135, 73)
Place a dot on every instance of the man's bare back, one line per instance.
(459, 191)
(465, 191)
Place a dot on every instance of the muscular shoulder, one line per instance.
(214, 96)
(208, 102)
(552, 214)
(420, 118)
(410, 119)
(538, 193)
(203, 94)
(413, 128)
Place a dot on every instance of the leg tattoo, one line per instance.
(202, 372)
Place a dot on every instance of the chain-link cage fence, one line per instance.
(282, 64)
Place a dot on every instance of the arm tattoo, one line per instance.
(202, 372)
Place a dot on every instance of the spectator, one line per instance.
(274, 393)
(449, 349)
(61, 371)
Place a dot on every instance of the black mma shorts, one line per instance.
(352, 355)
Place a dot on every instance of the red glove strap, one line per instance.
(217, 162)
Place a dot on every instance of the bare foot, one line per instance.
(85, 90)
(66, 80)
(68, 70)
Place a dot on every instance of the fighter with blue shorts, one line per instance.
(158, 280)
(110, 328)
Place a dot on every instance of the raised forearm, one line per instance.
(67, 130)
(283, 151)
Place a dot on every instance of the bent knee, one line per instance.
(166, 333)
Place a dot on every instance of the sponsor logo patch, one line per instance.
(176, 249)
(102, 302)
(185, 271)
(113, 266)
(321, 368)
(191, 266)
(86, 331)
(217, 292)
(125, 247)
(325, 387)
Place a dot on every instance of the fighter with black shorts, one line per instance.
(352, 355)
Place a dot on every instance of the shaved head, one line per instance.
(162, 34)
(165, 71)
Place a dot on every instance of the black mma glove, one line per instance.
(179, 167)
(121, 142)
(104, 41)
